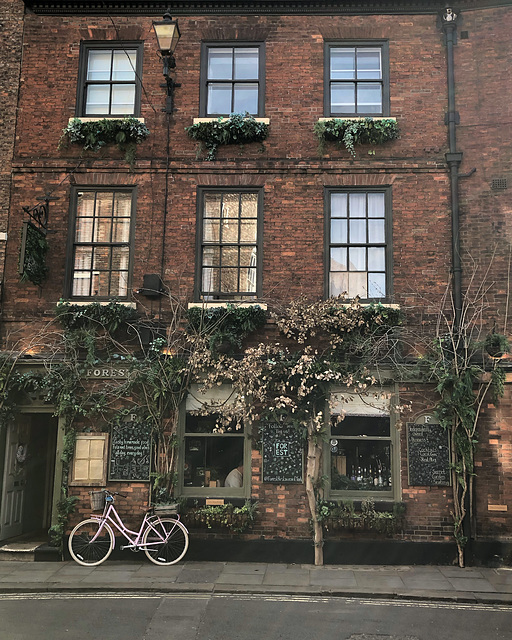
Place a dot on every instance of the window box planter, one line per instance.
(238, 128)
(352, 131)
(345, 518)
(92, 134)
(221, 517)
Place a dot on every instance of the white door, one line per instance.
(11, 507)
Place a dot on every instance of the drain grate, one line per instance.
(498, 184)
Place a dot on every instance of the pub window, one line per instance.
(359, 248)
(232, 79)
(357, 79)
(101, 261)
(229, 245)
(109, 82)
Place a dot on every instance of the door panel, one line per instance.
(13, 484)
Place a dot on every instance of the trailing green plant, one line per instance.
(350, 132)
(225, 327)
(92, 135)
(238, 128)
(95, 316)
(34, 266)
(344, 516)
(496, 345)
(226, 516)
(65, 509)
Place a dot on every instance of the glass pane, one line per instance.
(219, 99)
(83, 258)
(84, 229)
(211, 230)
(369, 64)
(101, 284)
(249, 205)
(220, 64)
(123, 99)
(120, 258)
(101, 258)
(357, 231)
(338, 205)
(81, 284)
(207, 424)
(119, 284)
(248, 256)
(210, 459)
(98, 66)
(248, 280)
(362, 425)
(230, 207)
(376, 285)
(229, 230)
(357, 285)
(229, 256)
(246, 98)
(85, 203)
(211, 256)
(121, 230)
(97, 101)
(211, 280)
(102, 229)
(123, 67)
(343, 98)
(338, 259)
(369, 98)
(376, 231)
(357, 205)
(104, 203)
(343, 64)
(229, 280)
(338, 283)
(376, 259)
(246, 64)
(376, 205)
(212, 203)
(357, 258)
(248, 230)
(361, 466)
(338, 231)
(122, 204)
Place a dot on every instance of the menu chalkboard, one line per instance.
(428, 452)
(283, 454)
(130, 452)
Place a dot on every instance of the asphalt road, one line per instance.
(244, 617)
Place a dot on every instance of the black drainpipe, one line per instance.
(453, 159)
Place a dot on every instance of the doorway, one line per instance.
(28, 475)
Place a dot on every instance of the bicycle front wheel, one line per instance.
(85, 548)
(165, 541)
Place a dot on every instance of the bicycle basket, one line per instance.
(97, 500)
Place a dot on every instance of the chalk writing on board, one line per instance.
(428, 453)
(130, 452)
(283, 454)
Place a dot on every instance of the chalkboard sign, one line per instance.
(283, 454)
(130, 452)
(428, 452)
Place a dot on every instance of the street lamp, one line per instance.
(168, 34)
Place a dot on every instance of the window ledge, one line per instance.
(97, 119)
(102, 303)
(214, 119)
(356, 118)
(223, 305)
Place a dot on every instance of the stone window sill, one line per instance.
(356, 118)
(102, 303)
(223, 305)
(97, 119)
(199, 120)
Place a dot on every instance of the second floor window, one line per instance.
(232, 80)
(357, 82)
(101, 262)
(110, 81)
(230, 239)
(359, 248)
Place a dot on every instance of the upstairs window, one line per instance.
(101, 262)
(230, 245)
(357, 80)
(232, 80)
(359, 251)
(109, 83)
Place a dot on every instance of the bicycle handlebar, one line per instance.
(114, 493)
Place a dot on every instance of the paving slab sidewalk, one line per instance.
(484, 585)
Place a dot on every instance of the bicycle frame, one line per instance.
(111, 516)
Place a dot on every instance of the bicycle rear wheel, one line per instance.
(165, 541)
(84, 550)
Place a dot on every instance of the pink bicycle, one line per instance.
(163, 540)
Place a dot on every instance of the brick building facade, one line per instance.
(290, 65)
